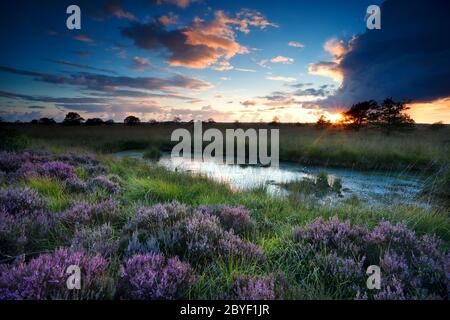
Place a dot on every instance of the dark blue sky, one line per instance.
(246, 60)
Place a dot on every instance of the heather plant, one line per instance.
(21, 200)
(153, 277)
(189, 233)
(236, 218)
(44, 277)
(95, 240)
(22, 232)
(57, 169)
(82, 213)
(103, 183)
(254, 288)
(412, 267)
(76, 185)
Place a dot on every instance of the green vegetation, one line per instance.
(369, 148)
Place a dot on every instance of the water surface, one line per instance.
(372, 188)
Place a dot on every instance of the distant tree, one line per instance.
(46, 121)
(323, 122)
(152, 121)
(34, 121)
(359, 114)
(390, 115)
(437, 126)
(275, 120)
(1, 120)
(176, 119)
(211, 120)
(131, 120)
(94, 122)
(72, 119)
(109, 122)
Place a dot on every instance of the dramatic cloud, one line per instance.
(331, 69)
(296, 44)
(282, 59)
(199, 45)
(101, 82)
(407, 59)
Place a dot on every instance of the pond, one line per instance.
(372, 188)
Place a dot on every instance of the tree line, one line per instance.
(389, 114)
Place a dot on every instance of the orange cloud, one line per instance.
(331, 69)
(200, 45)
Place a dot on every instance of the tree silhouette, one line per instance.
(94, 122)
(360, 113)
(46, 121)
(131, 120)
(73, 118)
(390, 114)
(323, 122)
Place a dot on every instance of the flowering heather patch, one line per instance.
(153, 277)
(103, 183)
(45, 277)
(76, 185)
(21, 200)
(255, 288)
(159, 216)
(412, 267)
(236, 218)
(91, 214)
(190, 233)
(57, 169)
(98, 240)
(20, 232)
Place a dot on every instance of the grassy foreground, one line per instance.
(310, 261)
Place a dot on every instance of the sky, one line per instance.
(228, 60)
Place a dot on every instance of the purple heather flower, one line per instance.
(89, 214)
(21, 200)
(256, 288)
(103, 183)
(98, 240)
(236, 218)
(45, 277)
(153, 277)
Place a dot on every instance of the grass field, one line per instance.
(277, 248)
(419, 149)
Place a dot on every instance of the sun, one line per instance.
(335, 117)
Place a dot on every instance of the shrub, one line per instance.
(98, 240)
(103, 183)
(92, 214)
(412, 267)
(255, 288)
(45, 277)
(76, 185)
(196, 235)
(235, 218)
(152, 154)
(57, 169)
(153, 277)
(21, 232)
(21, 200)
